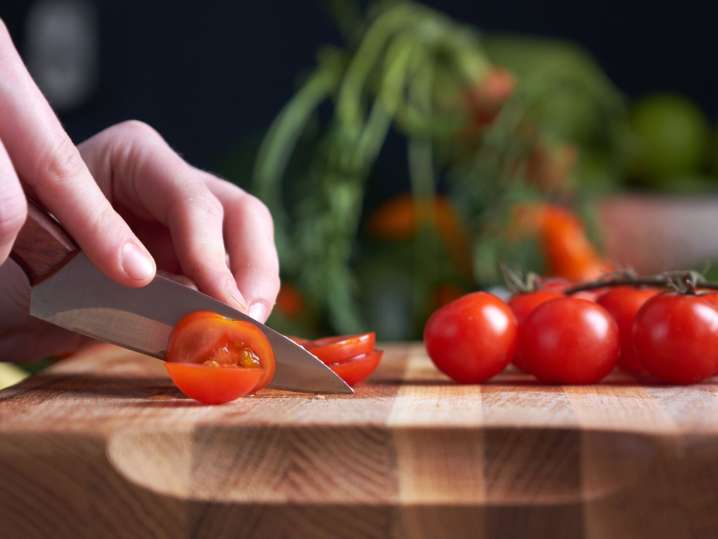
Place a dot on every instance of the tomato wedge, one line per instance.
(357, 369)
(342, 348)
(214, 359)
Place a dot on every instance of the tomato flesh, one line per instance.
(214, 359)
(343, 347)
(472, 338)
(675, 338)
(357, 369)
(569, 341)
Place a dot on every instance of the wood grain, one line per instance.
(102, 445)
(42, 246)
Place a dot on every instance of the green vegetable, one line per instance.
(670, 139)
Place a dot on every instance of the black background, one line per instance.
(208, 75)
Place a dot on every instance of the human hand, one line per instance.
(130, 202)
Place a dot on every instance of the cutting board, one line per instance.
(102, 445)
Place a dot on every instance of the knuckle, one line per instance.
(13, 212)
(207, 204)
(61, 164)
(253, 205)
(138, 129)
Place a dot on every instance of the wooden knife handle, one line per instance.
(42, 246)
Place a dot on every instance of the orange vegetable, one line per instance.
(401, 217)
(568, 251)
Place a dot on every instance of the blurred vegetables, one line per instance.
(671, 138)
(568, 251)
(480, 118)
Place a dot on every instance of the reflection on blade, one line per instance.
(81, 299)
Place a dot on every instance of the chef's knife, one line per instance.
(68, 291)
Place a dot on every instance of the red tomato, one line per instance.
(555, 284)
(559, 284)
(342, 348)
(357, 369)
(623, 303)
(676, 338)
(213, 385)
(569, 341)
(214, 359)
(522, 305)
(472, 338)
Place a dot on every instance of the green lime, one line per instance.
(671, 136)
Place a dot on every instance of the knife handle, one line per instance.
(42, 247)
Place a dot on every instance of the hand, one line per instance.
(130, 202)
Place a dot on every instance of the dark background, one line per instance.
(211, 75)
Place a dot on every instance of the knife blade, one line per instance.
(70, 292)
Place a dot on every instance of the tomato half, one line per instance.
(676, 338)
(214, 385)
(523, 305)
(569, 341)
(342, 348)
(623, 303)
(214, 359)
(472, 338)
(357, 369)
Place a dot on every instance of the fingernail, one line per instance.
(136, 263)
(258, 311)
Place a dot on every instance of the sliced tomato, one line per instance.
(215, 359)
(342, 348)
(214, 385)
(359, 368)
(299, 340)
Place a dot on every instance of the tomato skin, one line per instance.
(569, 341)
(198, 337)
(523, 305)
(342, 347)
(676, 338)
(623, 303)
(472, 338)
(214, 385)
(357, 369)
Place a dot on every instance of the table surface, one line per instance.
(409, 455)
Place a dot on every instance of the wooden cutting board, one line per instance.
(102, 445)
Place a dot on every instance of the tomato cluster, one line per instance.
(352, 357)
(667, 337)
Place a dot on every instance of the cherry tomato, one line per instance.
(213, 385)
(342, 347)
(522, 305)
(569, 341)
(623, 303)
(676, 338)
(357, 369)
(472, 338)
(559, 284)
(214, 359)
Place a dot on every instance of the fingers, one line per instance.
(13, 207)
(249, 235)
(48, 162)
(154, 181)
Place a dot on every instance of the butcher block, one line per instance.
(102, 445)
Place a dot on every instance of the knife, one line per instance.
(68, 291)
